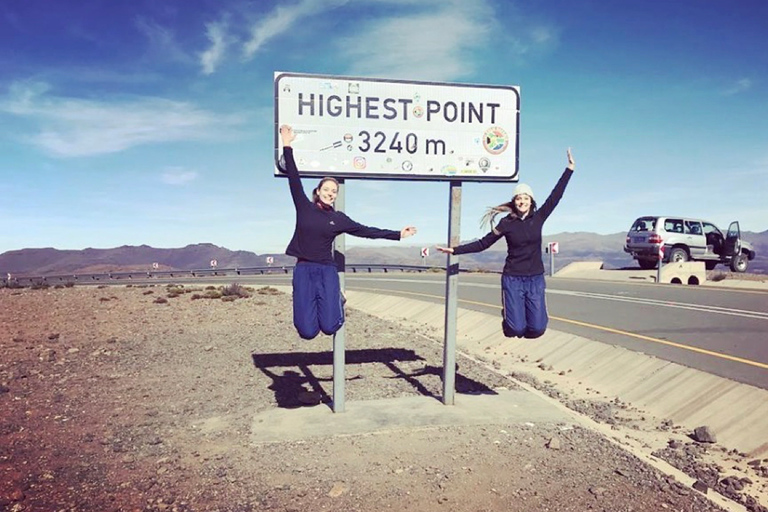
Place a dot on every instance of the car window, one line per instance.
(673, 225)
(693, 227)
(644, 224)
(711, 228)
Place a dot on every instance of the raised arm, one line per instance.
(557, 192)
(294, 182)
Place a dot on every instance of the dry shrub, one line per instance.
(235, 290)
(212, 294)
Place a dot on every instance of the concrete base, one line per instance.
(386, 415)
(688, 272)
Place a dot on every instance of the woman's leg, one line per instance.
(536, 306)
(305, 301)
(330, 311)
(513, 306)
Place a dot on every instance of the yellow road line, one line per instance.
(664, 342)
(608, 329)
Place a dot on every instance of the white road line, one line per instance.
(759, 315)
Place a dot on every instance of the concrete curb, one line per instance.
(738, 413)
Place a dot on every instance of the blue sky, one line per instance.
(128, 122)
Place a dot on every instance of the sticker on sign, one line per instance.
(397, 129)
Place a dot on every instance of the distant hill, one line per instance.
(580, 246)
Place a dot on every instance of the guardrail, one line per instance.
(105, 277)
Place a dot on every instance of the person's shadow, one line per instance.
(295, 385)
(292, 389)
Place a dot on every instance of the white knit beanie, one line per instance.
(522, 188)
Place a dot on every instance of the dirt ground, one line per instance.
(130, 398)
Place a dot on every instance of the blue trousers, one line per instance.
(316, 299)
(524, 306)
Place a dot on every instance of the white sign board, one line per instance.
(396, 129)
(270, 260)
(554, 247)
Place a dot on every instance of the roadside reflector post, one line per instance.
(661, 261)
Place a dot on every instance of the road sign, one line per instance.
(424, 252)
(554, 247)
(397, 129)
(270, 260)
(155, 266)
(214, 263)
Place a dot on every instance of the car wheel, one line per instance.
(710, 265)
(678, 255)
(647, 264)
(739, 262)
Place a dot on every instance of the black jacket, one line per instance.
(316, 227)
(523, 236)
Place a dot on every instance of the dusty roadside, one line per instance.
(113, 399)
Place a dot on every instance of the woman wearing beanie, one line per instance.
(522, 281)
(317, 299)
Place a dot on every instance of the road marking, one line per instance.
(760, 315)
(597, 327)
(664, 342)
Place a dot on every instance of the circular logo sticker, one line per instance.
(418, 111)
(495, 140)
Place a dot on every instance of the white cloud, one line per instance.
(741, 85)
(282, 19)
(71, 127)
(436, 45)
(425, 39)
(162, 41)
(217, 35)
(177, 176)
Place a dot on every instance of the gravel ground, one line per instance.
(142, 398)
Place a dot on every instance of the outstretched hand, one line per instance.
(571, 162)
(407, 231)
(286, 132)
(446, 250)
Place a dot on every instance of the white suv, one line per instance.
(685, 239)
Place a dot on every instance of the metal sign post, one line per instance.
(451, 296)
(339, 339)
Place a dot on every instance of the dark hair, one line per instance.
(490, 214)
(315, 195)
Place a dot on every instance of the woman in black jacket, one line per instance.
(522, 281)
(317, 299)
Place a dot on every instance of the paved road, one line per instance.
(720, 331)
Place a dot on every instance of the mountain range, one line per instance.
(580, 246)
